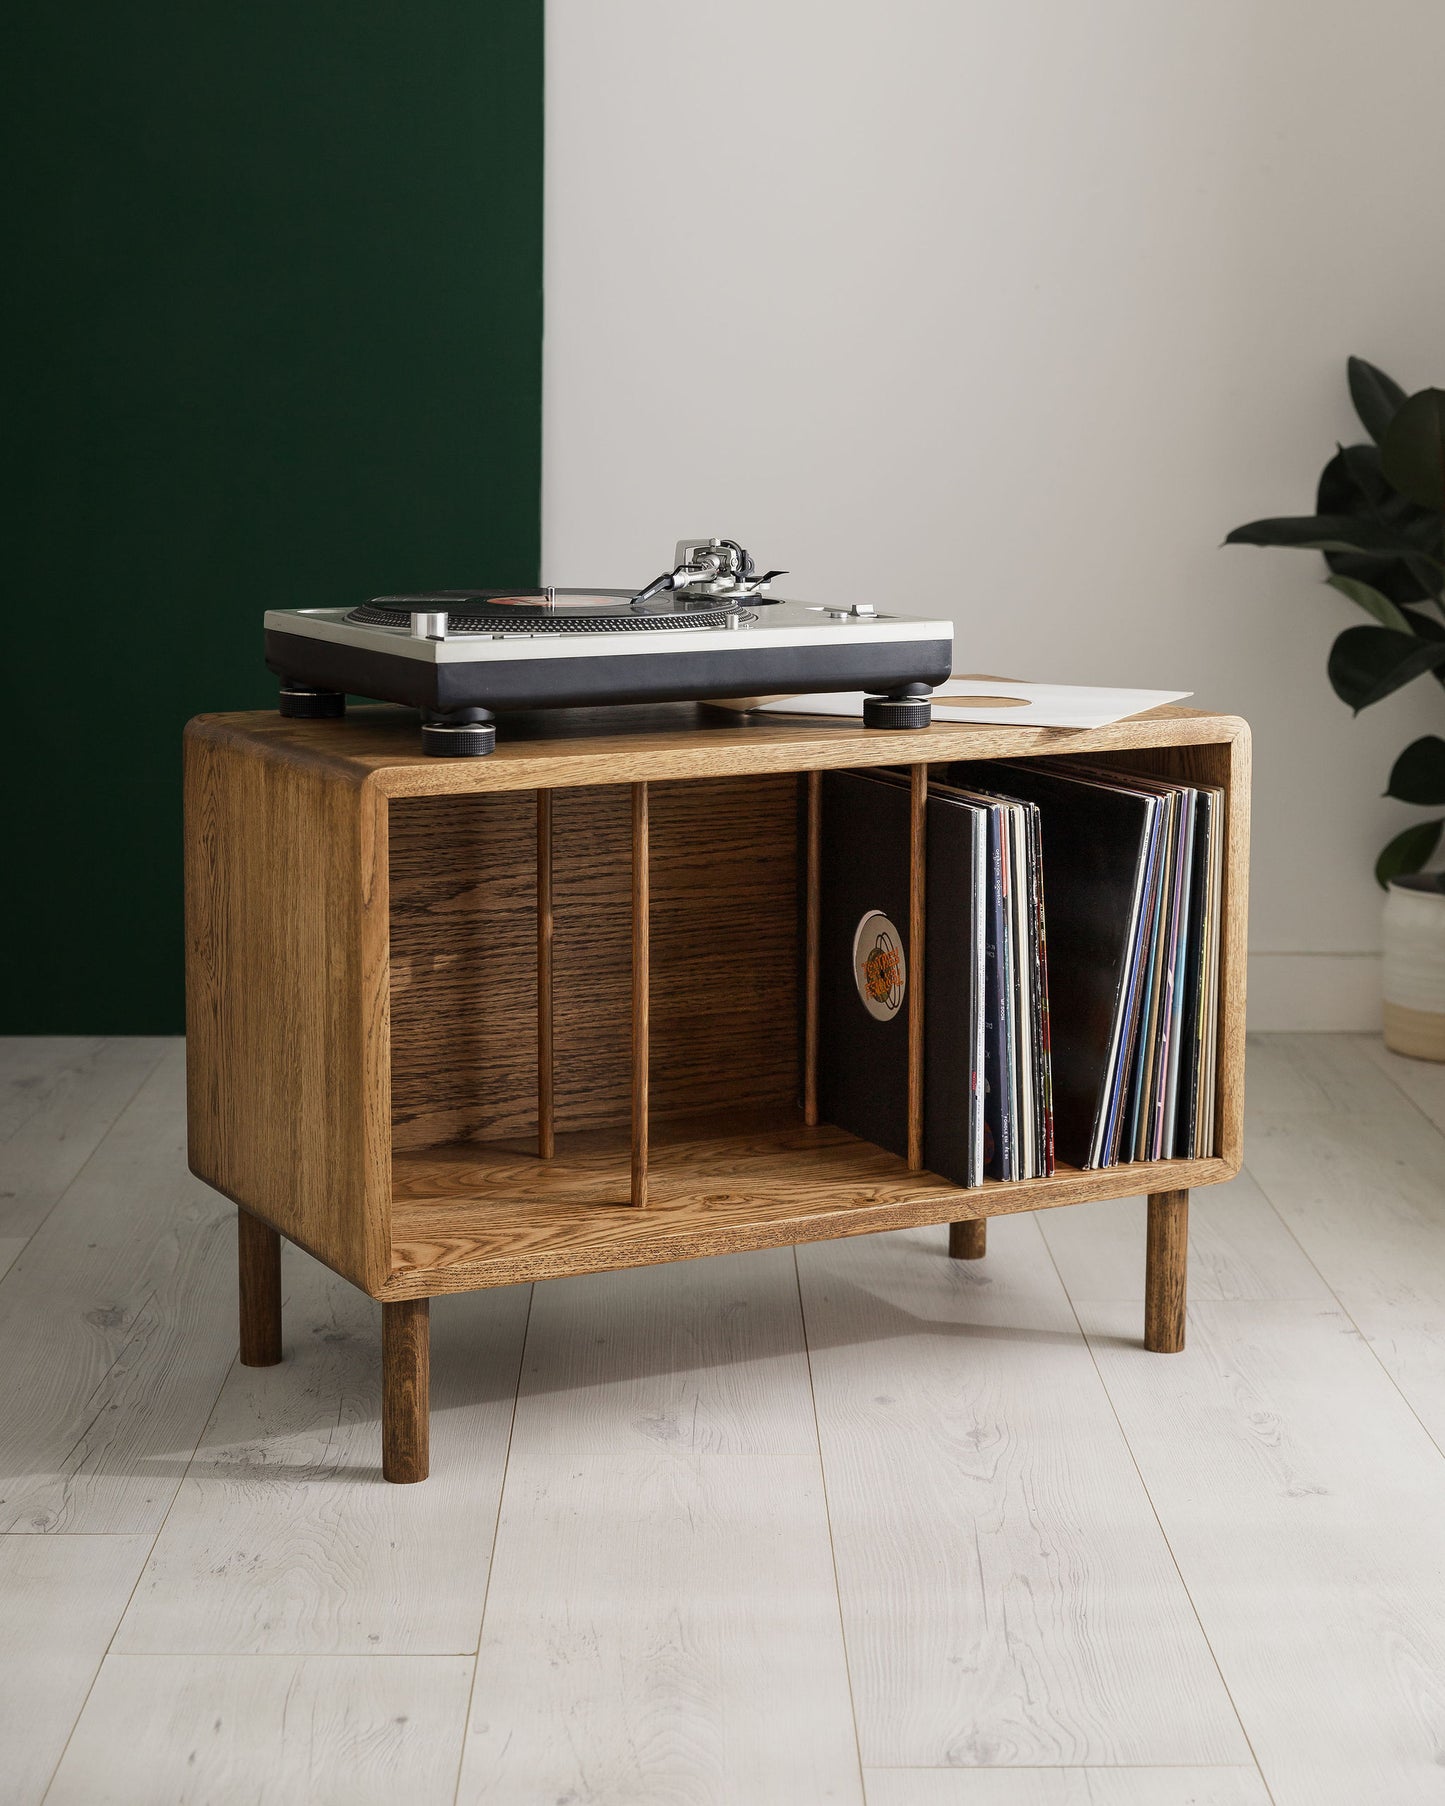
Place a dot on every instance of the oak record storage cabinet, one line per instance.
(463, 1023)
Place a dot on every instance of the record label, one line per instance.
(880, 969)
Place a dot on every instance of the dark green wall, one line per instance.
(277, 312)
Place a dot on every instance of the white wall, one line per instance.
(1012, 308)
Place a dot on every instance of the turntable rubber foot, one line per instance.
(458, 739)
(897, 711)
(298, 703)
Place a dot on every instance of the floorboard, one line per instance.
(1043, 1571)
(117, 1326)
(1066, 1787)
(60, 1601)
(58, 1096)
(1365, 1197)
(285, 1539)
(1303, 1503)
(662, 1628)
(1007, 1595)
(701, 1357)
(219, 1730)
(1422, 1081)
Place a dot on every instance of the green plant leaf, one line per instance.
(1367, 663)
(1376, 397)
(1408, 852)
(1413, 453)
(1373, 603)
(1418, 775)
(1324, 532)
(1353, 483)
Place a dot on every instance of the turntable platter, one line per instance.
(549, 611)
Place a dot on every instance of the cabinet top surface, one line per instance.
(380, 745)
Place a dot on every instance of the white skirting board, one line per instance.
(1320, 991)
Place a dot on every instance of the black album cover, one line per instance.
(865, 971)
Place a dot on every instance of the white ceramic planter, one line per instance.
(1414, 976)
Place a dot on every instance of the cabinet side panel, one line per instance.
(1234, 957)
(287, 1010)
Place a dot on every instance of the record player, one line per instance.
(705, 628)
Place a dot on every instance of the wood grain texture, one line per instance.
(1236, 1786)
(284, 1539)
(258, 1261)
(61, 1598)
(1363, 1196)
(723, 996)
(327, 1730)
(456, 884)
(1302, 1501)
(565, 747)
(286, 994)
(702, 1358)
(405, 1391)
(1166, 1261)
(117, 1328)
(1422, 1081)
(968, 1240)
(58, 1096)
(917, 952)
(1008, 1598)
(641, 1022)
(662, 1627)
(546, 1126)
(492, 1214)
(812, 940)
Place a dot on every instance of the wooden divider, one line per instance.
(546, 1135)
(640, 990)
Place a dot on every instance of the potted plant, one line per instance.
(1380, 523)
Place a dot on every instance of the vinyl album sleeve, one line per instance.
(1098, 843)
(867, 970)
(864, 958)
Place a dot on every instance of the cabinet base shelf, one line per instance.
(471, 1214)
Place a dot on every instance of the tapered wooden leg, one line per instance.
(258, 1247)
(405, 1390)
(1164, 1271)
(968, 1240)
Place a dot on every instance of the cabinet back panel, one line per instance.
(464, 956)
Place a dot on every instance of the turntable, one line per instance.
(705, 628)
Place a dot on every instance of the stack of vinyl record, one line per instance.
(987, 1109)
(1135, 869)
(1071, 975)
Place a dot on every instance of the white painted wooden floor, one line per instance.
(866, 1524)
